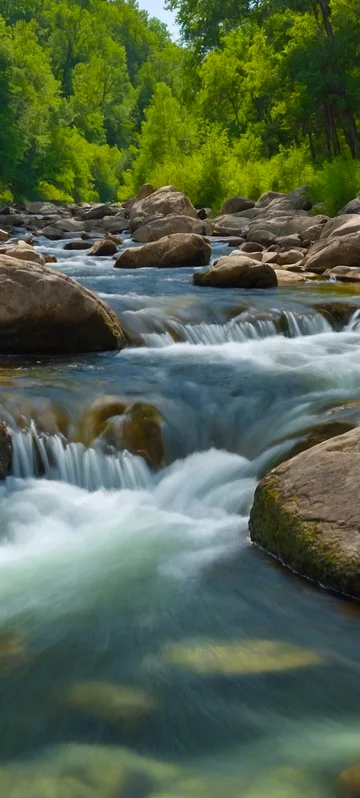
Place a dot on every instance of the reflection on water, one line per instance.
(146, 648)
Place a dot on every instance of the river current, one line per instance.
(115, 573)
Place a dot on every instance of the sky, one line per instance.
(156, 9)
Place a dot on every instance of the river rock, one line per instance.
(52, 233)
(297, 200)
(41, 208)
(109, 224)
(239, 658)
(166, 200)
(287, 225)
(180, 249)
(103, 249)
(335, 251)
(348, 783)
(344, 273)
(352, 207)
(23, 251)
(4, 235)
(288, 277)
(236, 204)
(135, 426)
(252, 246)
(109, 702)
(98, 212)
(230, 225)
(289, 257)
(145, 191)
(167, 226)
(78, 245)
(306, 513)
(46, 311)
(237, 271)
(341, 226)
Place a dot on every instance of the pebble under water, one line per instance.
(146, 647)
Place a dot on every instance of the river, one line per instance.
(112, 572)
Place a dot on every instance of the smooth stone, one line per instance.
(229, 225)
(347, 275)
(352, 207)
(103, 249)
(169, 225)
(237, 271)
(236, 204)
(306, 513)
(180, 249)
(23, 251)
(341, 226)
(4, 235)
(43, 310)
(77, 245)
(166, 200)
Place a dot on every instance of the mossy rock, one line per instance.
(336, 313)
(306, 513)
(320, 433)
(138, 428)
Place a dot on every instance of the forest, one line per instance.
(96, 99)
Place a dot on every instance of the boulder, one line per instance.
(46, 311)
(344, 273)
(98, 212)
(352, 207)
(77, 245)
(4, 235)
(167, 226)
(23, 251)
(230, 225)
(166, 200)
(288, 277)
(341, 226)
(263, 237)
(180, 249)
(289, 257)
(103, 249)
(52, 233)
(145, 191)
(334, 251)
(42, 208)
(306, 513)
(109, 224)
(287, 225)
(236, 204)
(135, 426)
(67, 226)
(252, 246)
(237, 271)
(297, 200)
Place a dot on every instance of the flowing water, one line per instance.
(114, 572)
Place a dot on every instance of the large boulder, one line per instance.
(167, 226)
(346, 274)
(305, 227)
(145, 191)
(306, 513)
(98, 212)
(297, 200)
(23, 251)
(42, 208)
(334, 251)
(236, 204)
(230, 225)
(45, 311)
(352, 207)
(162, 202)
(180, 249)
(237, 271)
(341, 226)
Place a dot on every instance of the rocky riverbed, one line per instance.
(147, 647)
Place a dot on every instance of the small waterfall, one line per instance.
(239, 330)
(354, 323)
(53, 458)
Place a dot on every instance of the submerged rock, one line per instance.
(306, 513)
(237, 271)
(244, 658)
(46, 311)
(78, 245)
(348, 783)
(110, 703)
(180, 249)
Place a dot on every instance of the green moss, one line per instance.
(276, 525)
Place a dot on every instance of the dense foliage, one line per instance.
(96, 98)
